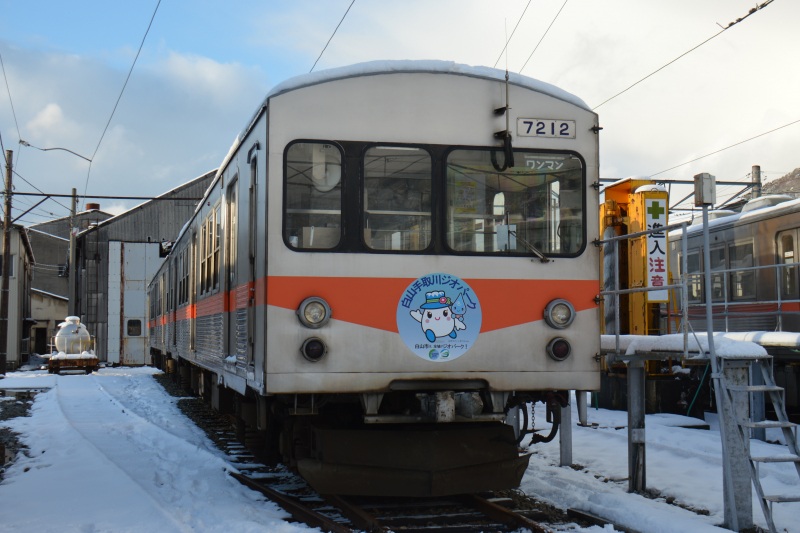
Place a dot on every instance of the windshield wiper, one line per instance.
(530, 247)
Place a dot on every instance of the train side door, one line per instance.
(252, 248)
(230, 276)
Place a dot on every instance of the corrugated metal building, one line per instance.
(116, 259)
(50, 285)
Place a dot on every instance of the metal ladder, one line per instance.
(764, 365)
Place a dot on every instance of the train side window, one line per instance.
(787, 261)
(695, 277)
(313, 202)
(397, 198)
(742, 276)
(718, 281)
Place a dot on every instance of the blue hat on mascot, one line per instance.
(436, 300)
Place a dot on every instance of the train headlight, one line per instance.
(314, 349)
(314, 312)
(559, 349)
(559, 314)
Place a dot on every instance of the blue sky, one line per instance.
(206, 66)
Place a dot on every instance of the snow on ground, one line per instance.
(111, 452)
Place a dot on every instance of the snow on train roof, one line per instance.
(755, 214)
(371, 68)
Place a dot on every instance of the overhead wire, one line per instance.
(544, 35)
(726, 148)
(10, 100)
(52, 197)
(124, 85)
(331, 37)
(729, 26)
(512, 33)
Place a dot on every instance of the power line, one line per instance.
(727, 147)
(543, 36)
(512, 33)
(729, 26)
(42, 193)
(331, 37)
(124, 85)
(11, 101)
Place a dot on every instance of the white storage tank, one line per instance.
(73, 337)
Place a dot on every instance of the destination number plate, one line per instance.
(546, 127)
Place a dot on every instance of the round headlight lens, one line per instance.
(314, 312)
(559, 314)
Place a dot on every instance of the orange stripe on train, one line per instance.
(373, 301)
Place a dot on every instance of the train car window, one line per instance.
(134, 328)
(232, 237)
(201, 250)
(718, 280)
(787, 261)
(397, 198)
(695, 276)
(742, 276)
(313, 204)
(215, 247)
(535, 206)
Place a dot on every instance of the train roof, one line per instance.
(746, 216)
(372, 68)
(430, 66)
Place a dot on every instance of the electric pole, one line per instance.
(6, 267)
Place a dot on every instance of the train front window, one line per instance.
(313, 207)
(397, 198)
(536, 205)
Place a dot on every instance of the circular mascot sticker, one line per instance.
(439, 317)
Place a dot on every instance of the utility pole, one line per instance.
(72, 278)
(756, 178)
(6, 267)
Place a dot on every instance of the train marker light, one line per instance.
(313, 349)
(314, 312)
(559, 349)
(559, 313)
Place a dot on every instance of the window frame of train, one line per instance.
(788, 276)
(313, 204)
(694, 274)
(209, 251)
(430, 211)
(520, 210)
(742, 277)
(719, 281)
(397, 185)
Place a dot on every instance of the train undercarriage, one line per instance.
(404, 452)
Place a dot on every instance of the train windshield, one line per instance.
(536, 204)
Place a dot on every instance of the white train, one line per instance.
(391, 256)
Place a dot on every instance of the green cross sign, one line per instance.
(655, 210)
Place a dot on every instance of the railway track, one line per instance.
(502, 511)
